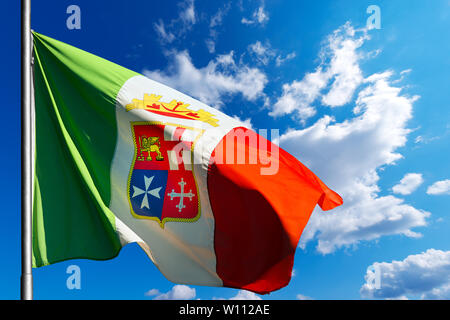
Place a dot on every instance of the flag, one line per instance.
(120, 158)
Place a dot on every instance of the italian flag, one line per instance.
(120, 158)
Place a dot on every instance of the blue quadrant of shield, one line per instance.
(147, 190)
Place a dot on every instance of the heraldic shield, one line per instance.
(161, 183)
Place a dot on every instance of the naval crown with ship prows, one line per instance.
(173, 108)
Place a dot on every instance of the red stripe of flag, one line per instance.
(259, 218)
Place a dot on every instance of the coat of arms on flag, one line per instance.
(161, 183)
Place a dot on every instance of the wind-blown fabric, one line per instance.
(120, 158)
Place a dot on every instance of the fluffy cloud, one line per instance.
(425, 275)
(245, 295)
(220, 77)
(280, 59)
(259, 16)
(340, 64)
(298, 96)
(216, 21)
(409, 183)
(264, 53)
(210, 45)
(178, 26)
(187, 14)
(178, 292)
(217, 18)
(245, 122)
(439, 187)
(344, 66)
(349, 154)
(164, 35)
(242, 295)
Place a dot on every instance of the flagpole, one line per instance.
(26, 285)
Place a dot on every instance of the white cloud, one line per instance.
(178, 292)
(221, 76)
(409, 183)
(425, 275)
(152, 292)
(178, 26)
(214, 23)
(303, 297)
(439, 187)
(298, 96)
(217, 18)
(211, 45)
(340, 64)
(280, 60)
(245, 295)
(242, 295)
(344, 66)
(259, 16)
(187, 15)
(403, 74)
(293, 273)
(164, 35)
(263, 52)
(348, 155)
(440, 293)
(425, 140)
(259, 49)
(245, 122)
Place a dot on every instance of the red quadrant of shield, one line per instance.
(181, 197)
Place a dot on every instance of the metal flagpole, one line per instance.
(26, 287)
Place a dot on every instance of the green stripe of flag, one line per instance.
(75, 136)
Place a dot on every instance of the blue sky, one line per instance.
(366, 109)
